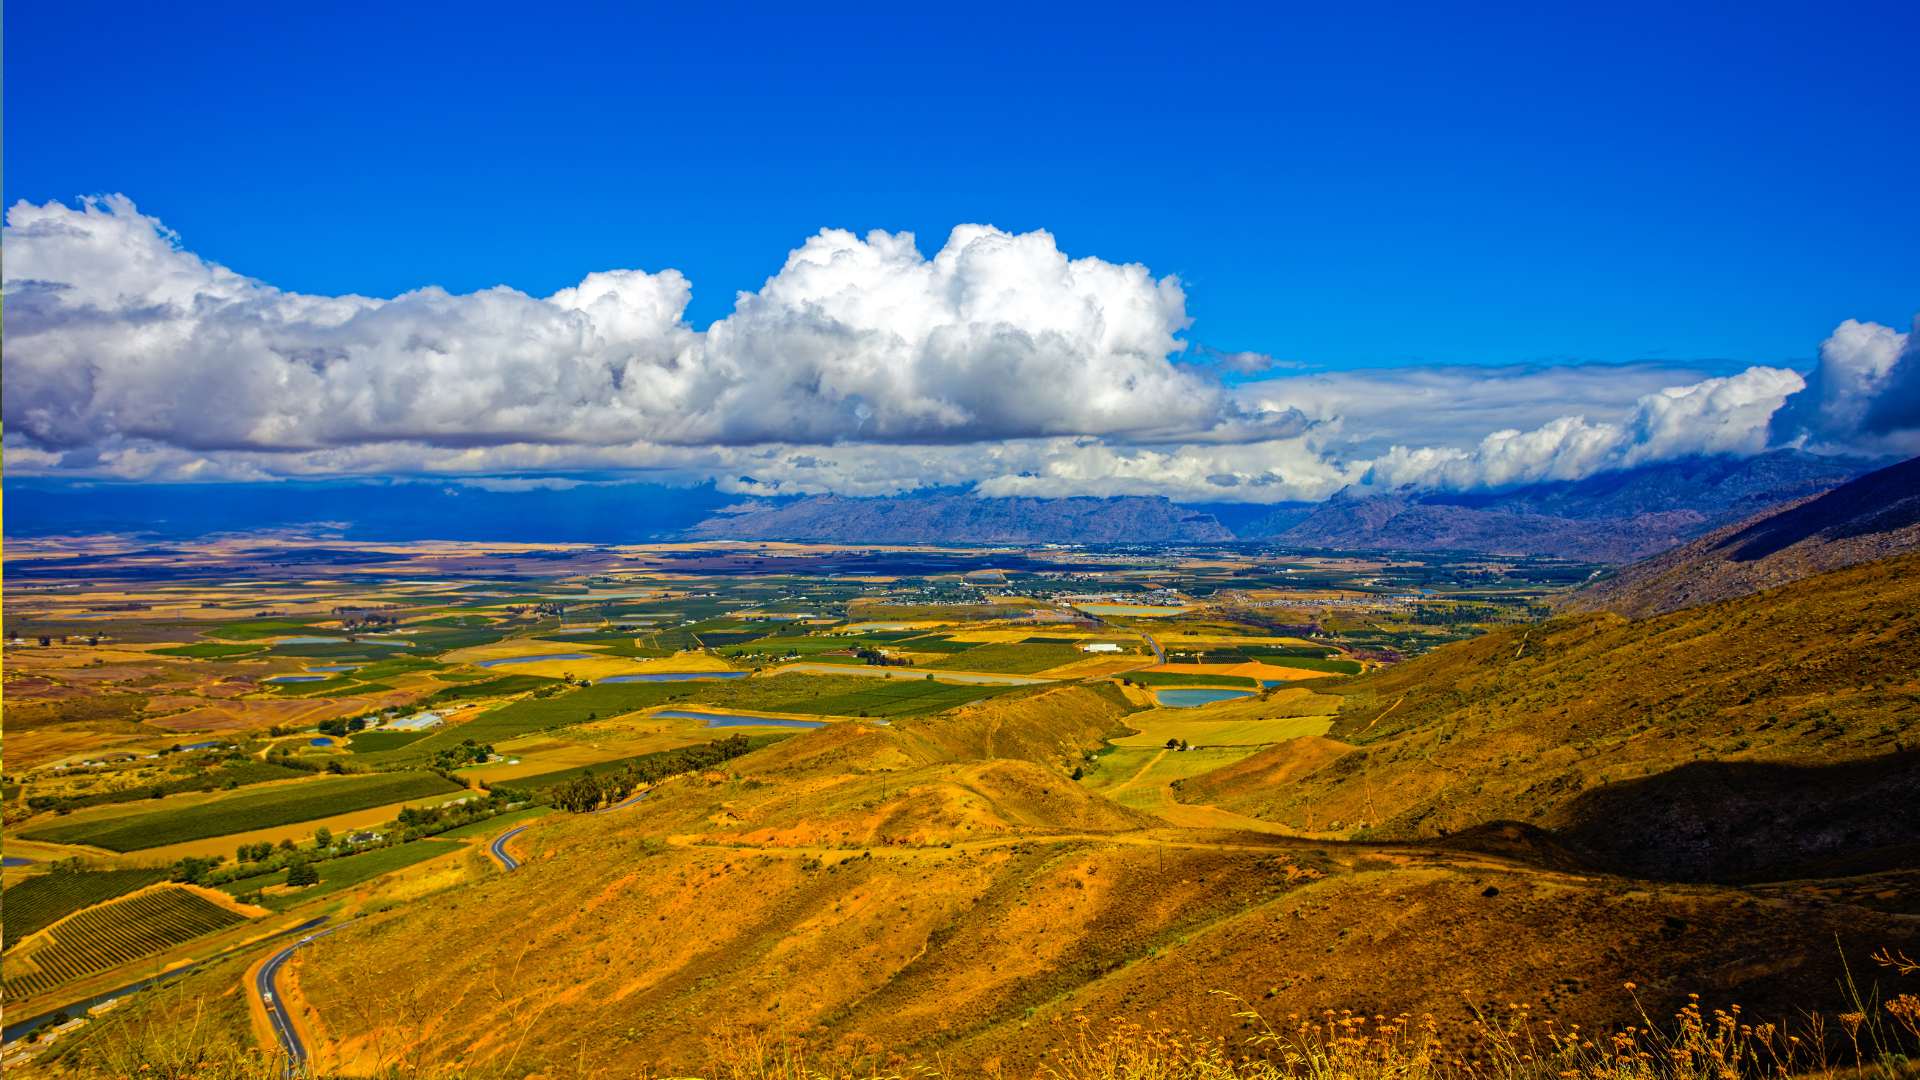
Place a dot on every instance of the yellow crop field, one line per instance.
(1094, 667)
(1137, 776)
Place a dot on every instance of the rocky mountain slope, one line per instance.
(1409, 523)
(1872, 517)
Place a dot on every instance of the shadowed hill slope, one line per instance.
(1591, 725)
(1873, 517)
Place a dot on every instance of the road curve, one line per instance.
(277, 1015)
(499, 849)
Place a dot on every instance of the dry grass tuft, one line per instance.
(1872, 1040)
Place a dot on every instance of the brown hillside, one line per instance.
(1257, 785)
(1733, 740)
(613, 952)
(863, 891)
(1050, 727)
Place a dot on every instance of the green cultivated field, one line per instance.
(905, 696)
(337, 874)
(807, 694)
(1020, 659)
(1135, 777)
(254, 629)
(208, 650)
(500, 686)
(374, 742)
(40, 901)
(934, 643)
(538, 714)
(113, 934)
(240, 813)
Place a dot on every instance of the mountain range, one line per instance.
(1613, 517)
(964, 519)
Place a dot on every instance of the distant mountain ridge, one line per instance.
(1873, 517)
(1409, 523)
(1612, 517)
(953, 518)
(1615, 517)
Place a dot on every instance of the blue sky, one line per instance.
(1390, 185)
(1208, 253)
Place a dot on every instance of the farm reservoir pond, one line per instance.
(1197, 696)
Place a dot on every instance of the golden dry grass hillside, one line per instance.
(1750, 738)
(940, 892)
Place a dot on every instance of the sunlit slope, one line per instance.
(621, 950)
(1728, 741)
(889, 890)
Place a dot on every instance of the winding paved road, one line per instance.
(268, 993)
(499, 849)
(277, 1015)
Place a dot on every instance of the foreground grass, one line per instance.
(1873, 1040)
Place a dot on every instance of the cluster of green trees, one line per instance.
(454, 757)
(877, 658)
(343, 725)
(587, 792)
(259, 852)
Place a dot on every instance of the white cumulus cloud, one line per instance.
(1726, 415)
(861, 366)
(1863, 393)
(114, 330)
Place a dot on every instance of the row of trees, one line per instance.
(587, 792)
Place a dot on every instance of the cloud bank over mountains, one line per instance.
(860, 367)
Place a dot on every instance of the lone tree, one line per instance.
(303, 873)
